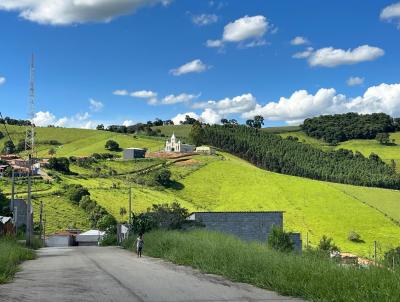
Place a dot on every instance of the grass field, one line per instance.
(309, 276)
(310, 206)
(11, 255)
(80, 142)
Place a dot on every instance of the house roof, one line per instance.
(4, 219)
(92, 232)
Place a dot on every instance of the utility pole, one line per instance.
(12, 190)
(130, 205)
(30, 148)
(375, 252)
(41, 221)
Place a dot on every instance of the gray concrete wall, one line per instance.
(59, 241)
(245, 225)
(21, 211)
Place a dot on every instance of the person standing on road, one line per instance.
(139, 245)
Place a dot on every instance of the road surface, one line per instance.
(112, 274)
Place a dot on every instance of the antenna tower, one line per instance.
(30, 132)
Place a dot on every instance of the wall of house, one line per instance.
(20, 219)
(252, 226)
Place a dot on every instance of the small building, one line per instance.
(61, 239)
(6, 226)
(132, 153)
(206, 150)
(92, 237)
(172, 145)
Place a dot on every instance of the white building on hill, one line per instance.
(172, 145)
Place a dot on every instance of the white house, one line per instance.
(206, 150)
(172, 145)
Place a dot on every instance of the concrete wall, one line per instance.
(21, 212)
(59, 241)
(245, 225)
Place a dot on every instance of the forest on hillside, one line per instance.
(287, 156)
(342, 127)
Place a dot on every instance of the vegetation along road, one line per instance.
(112, 274)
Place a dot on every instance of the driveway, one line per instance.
(112, 274)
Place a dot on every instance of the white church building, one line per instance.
(172, 145)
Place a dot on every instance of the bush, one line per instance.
(355, 237)
(279, 240)
(392, 257)
(106, 222)
(109, 239)
(163, 177)
(76, 192)
(326, 244)
(112, 145)
(60, 164)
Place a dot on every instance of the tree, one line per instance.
(158, 122)
(163, 177)
(112, 145)
(76, 192)
(60, 164)
(4, 205)
(250, 123)
(106, 222)
(100, 127)
(224, 121)
(392, 257)
(1, 135)
(188, 120)
(258, 121)
(9, 147)
(279, 240)
(383, 138)
(52, 152)
(196, 134)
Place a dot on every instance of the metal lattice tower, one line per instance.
(30, 132)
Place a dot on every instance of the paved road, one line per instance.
(112, 274)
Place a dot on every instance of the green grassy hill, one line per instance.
(221, 182)
(80, 142)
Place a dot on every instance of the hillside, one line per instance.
(365, 146)
(221, 182)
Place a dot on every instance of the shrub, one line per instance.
(326, 244)
(106, 222)
(60, 164)
(353, 236)
(392, 257)
(163, 177)
(109, 239)
(279, 240)
(76, 192)
(112, 145)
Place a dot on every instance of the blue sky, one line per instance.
(127, 61)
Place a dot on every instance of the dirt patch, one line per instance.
(188, 162)
(169, 155)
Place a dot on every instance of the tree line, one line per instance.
(342, 127)
(286, 156)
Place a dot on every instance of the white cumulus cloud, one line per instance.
(243, 29)
(391, 13)
(301, 104)
(299, 40)
(96, 106)
(204, 19)
(144, 94)
(128, 123)
(238, 104)
(65, 12)
(44, 118)
(195, 66)
(121, 92)
(354, 81)
(2, 80)
(181, 117)
(180, 98)
(209, 116)
(331, 57)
